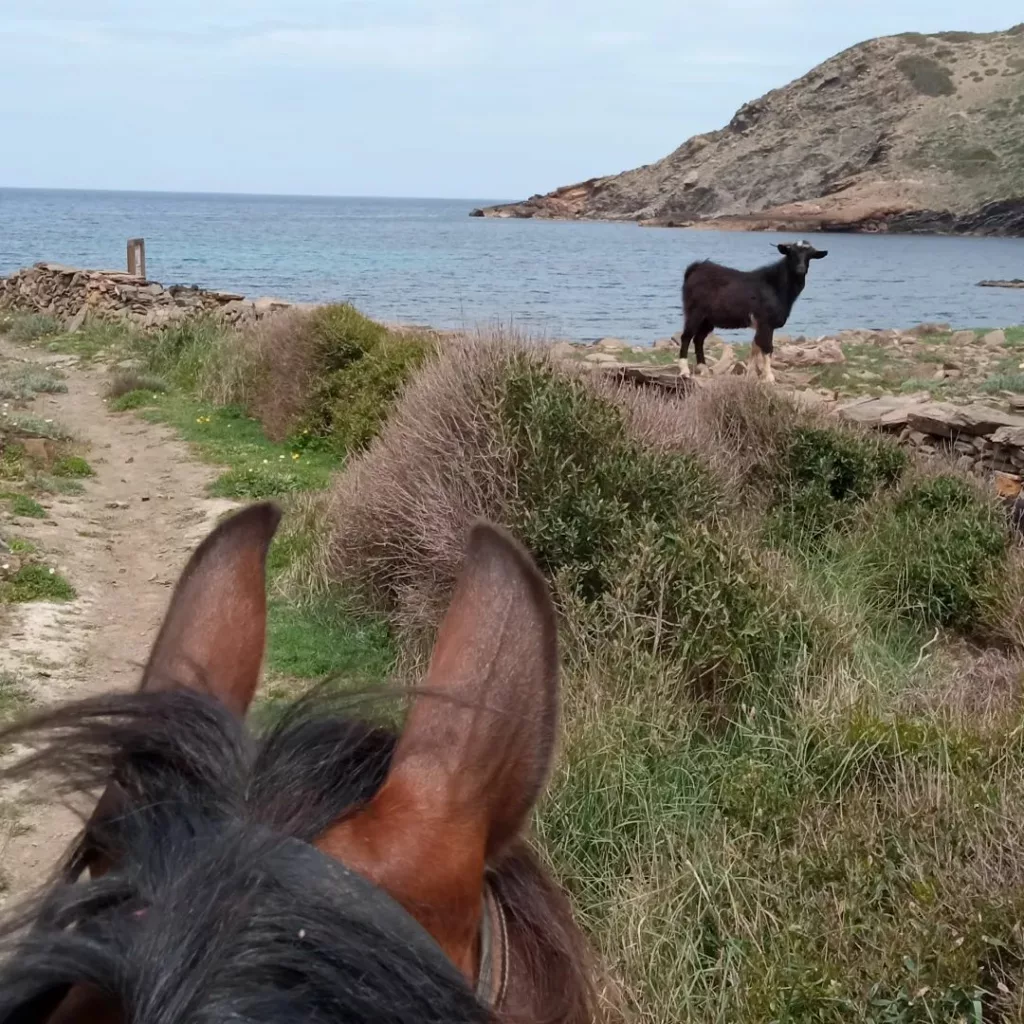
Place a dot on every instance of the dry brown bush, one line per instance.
(735, 426)
(269, 368)
(401, 511)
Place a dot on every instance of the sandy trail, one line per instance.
(121, 544)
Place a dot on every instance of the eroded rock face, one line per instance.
(72, 295)
(912, 133)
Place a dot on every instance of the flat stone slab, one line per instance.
(944, 420)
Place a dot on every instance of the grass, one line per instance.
(35, 582)
(26, 425)
(1012, 382)
(28, 327)
(791, 769)
(22, 505)
(257, 467)
(14, 697)
(72, 467)
(22, 383)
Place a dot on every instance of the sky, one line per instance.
(487, 99)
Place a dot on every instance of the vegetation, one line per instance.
(772, 725)
(791, 769)
(35, 582)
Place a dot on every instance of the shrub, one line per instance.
(360, 368)
(630, 537)
(927, 76)
(934, 553)
(825, 475)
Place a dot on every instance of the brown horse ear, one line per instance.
(474, 754)
(214, 632)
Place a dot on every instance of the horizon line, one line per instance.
(251, 195)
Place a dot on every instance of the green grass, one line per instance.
(72, 467)
(1013, 382)
(258, 468)
(20, 546)
(321, 640)
(130, 400)
(22, 505)
(35, 582)
(97, 339)
(14, 697)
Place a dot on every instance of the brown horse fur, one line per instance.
(195, 805)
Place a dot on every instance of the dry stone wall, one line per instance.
(72, 295)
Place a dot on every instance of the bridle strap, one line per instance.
(492, 975)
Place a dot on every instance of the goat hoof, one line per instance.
(684, 368)
(702, 370)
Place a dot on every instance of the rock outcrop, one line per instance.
(910, 133)
(72, 295)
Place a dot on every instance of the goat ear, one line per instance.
(474, 754)
(214, 632)
(819, 254)
(783, 248)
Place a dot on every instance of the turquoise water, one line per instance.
(427, 261)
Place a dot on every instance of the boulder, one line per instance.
(563, 350)
(612, 345)
(827, 352)
(963, 338)
(940, 419)
(1008, 485)
(666, 345)
(994, 339)
(725, 362)
(888, 412)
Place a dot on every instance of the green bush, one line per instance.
(933, 554)
(826, 475)
(633, 539)
(361, 367)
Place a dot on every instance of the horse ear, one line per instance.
(474, 754)
(213, 635)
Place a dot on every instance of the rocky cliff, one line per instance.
(903, 133)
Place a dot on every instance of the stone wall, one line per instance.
(72, 295)
(982, 439)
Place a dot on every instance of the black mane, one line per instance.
(217, 914)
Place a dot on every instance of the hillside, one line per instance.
(910, 133)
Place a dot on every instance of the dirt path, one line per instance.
(121, 544)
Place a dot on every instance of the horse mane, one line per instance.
(206, 809)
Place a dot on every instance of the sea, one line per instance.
(426, 261)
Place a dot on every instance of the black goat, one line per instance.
(717, 296)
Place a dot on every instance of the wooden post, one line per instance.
(137, 257)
